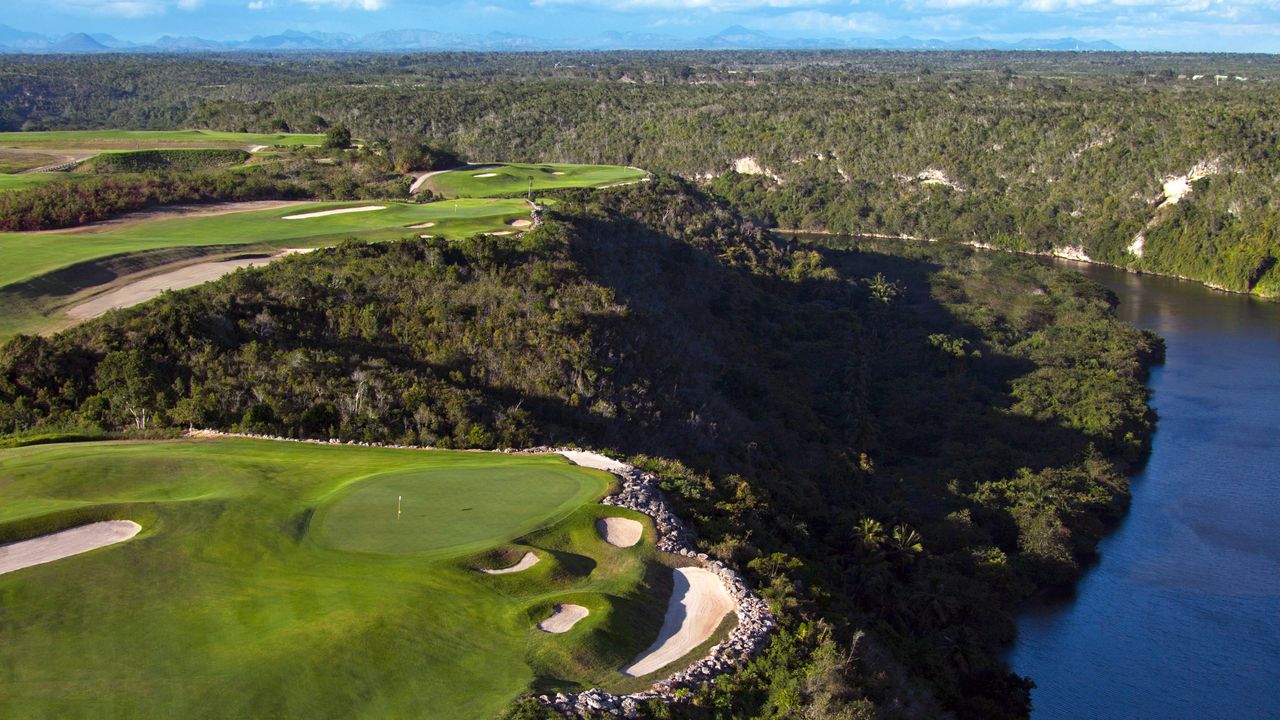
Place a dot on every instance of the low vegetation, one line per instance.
(899, 443)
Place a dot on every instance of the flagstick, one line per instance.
(398, 499)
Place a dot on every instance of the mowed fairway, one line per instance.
(94, 141)
(26, 180)
(496, 179)
(274, 580)
(28, 255)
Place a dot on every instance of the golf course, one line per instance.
(498, 179)
(274, 579)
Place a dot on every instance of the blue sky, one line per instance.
(1216, 25)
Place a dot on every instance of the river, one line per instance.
(1180, 617)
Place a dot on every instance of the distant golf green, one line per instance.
(30, 254)
(513, 178)
(274, 580)
(89, 141)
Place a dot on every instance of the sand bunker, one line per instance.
(339, 211)
(699, 603)
(563, 619)
(501, 232)
(526, 562)
(620, 532)
(152, 286)
(557, 172)
(594, 460)
(59, 545)
(421, 226)
(520, 223)
(485, 175)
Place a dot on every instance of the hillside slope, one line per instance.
(898, 445)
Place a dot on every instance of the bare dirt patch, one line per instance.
(620, 532)
(699, 603)
(563, 619)
(59, 545)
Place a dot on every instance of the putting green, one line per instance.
(514, 178)
(448, 509)
(227, 604)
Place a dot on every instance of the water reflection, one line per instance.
(1181, 616)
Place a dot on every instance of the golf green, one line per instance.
(233, 602)
(446, 509)
(88, 141)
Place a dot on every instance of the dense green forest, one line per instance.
(1028, 151)
(898, 443)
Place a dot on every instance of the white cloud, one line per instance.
(674, 5)
(258, 5)
(127, 8)
(346, 4)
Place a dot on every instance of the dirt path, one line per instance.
(422, 179)
(563, 619)
(699, 603)
(150, 286)
(526, 562)
(59, 545)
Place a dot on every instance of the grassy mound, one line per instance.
(500, 179)
(136, 161)
(234, 602)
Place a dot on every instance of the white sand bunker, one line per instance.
(594, 460)
(59, 545)
(485, 175)
(501, 232)
(620, 532)
(420, 226)
(520, 223)
(339, 211)
(557, 172)
(699, 603)
(526, 562)
(563, 619)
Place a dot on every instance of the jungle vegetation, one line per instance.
(898, 443)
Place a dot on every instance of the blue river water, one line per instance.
(1180, 617)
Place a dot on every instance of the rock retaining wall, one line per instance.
(639, 492)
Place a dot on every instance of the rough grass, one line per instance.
(513, 178)
(185, 160)
(13, 160)
(233, 602)
(90, 141)
(9, 183)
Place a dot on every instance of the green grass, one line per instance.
(513, 178)
(238, 598)
(28, 255)
(103, 140)
(24, 181)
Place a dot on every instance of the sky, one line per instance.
(1199, 25)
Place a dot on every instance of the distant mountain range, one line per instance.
(733, 38)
